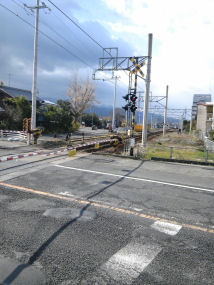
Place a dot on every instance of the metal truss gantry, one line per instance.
(133, 65)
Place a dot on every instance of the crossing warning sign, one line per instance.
(137, 67)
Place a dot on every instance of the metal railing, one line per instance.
(179, 153)
(13, 135)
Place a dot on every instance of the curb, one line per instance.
(158, 159)
(183, 161)
(118, 155)
(77, 147)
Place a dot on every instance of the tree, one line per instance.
(91, 119)
(59, 118)
(16, 109)
(81, 93)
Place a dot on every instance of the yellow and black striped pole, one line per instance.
(135, 70)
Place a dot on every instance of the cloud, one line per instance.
(55, 65)
(182, 49)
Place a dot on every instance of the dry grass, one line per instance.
(185, 147)
(179, 140)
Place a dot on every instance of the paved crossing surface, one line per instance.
(68, 226)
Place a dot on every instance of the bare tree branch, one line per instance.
(81, 93)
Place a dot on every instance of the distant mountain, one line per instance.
(104, 111)
(100, 111)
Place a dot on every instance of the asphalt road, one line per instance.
(94, 219)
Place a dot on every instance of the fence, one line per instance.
(209, 144)
(13, 135)
(180, 153)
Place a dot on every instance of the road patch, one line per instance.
(30, 205)
(70, 213)
(104, 206)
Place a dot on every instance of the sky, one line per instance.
(182, 54)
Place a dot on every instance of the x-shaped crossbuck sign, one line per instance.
(137, 67)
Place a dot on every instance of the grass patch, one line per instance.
(183, 154)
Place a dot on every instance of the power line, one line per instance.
(78, 26)
(59, 35)
(73, 34)
(18, 4)
(44, 34)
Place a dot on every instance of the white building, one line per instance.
(205, 117)
(203, 98)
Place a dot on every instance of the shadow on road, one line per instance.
(13, 275)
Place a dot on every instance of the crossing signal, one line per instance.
(126, 107)
(126, 97)
(133, 108)
(133, 98)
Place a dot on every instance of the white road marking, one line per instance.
(137, 209)
(66, 194)
(167, 228)
(127, 264)
(136, 178)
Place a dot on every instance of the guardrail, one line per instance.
(13, 135)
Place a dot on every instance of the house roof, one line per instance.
(46, 102)
(16, 92)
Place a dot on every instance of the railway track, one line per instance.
(85, 143)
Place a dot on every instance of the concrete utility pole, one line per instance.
(9, 78)
(190, 127)
(165, 111)
(146, 99)
(213, 118)
(34, 85)
(114, 103)
(182, 122)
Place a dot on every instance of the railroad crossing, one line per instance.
(101, 219)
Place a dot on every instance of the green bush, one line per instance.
(211, 135)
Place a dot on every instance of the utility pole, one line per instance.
(190, 127)
(182, 122)
(138, 110)
(9, 78)
(165, 112)
(213, 118)
(34, 85)
(146, 99)
(151, 121)
(92, 119)
(114, 103)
